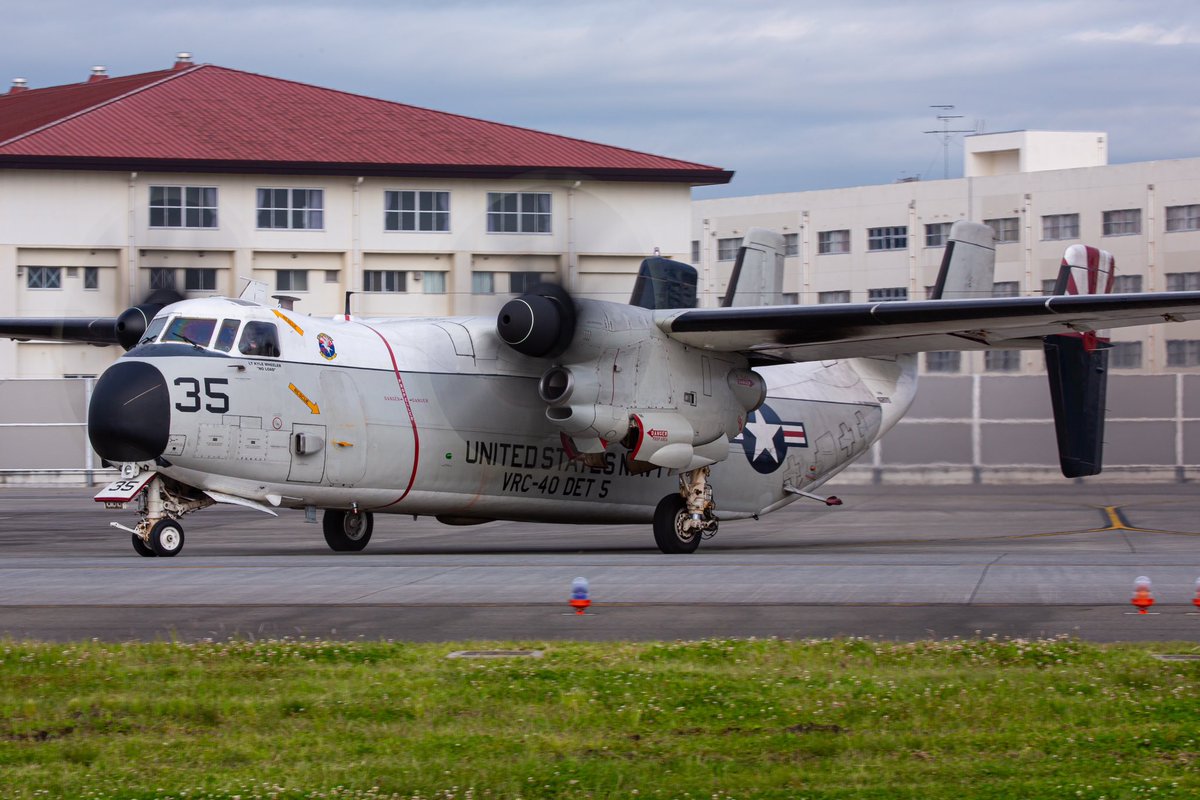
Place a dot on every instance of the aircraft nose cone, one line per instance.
(129, 418)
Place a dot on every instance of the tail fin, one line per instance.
(1077, 365)
(757, 278)
(662, 283)
(969, 263)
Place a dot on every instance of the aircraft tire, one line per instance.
(347, 532)
(668, 526)
(141, 548)
(166, 538)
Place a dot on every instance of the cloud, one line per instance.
(1143, 33)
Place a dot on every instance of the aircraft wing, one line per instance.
(88, 330)
(773, 334)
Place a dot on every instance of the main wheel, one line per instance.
(166, 538)
(144, 550)
(346, 531)
(669, 534)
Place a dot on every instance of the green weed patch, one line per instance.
(724, 719)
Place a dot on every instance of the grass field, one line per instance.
(709, 719)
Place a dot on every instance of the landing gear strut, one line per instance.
(347, 531)
(681, 520)
(159, 533)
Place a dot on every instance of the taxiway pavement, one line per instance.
(895, 562)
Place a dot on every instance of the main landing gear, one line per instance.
(347, 531)
(681, 520)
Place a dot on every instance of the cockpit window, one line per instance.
(226, 335)
(152, 332)
(260, 339)
(190, 331)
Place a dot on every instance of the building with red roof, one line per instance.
(199, 175)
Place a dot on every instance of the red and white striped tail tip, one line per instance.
(1090, 270)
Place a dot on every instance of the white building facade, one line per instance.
(1040, 191)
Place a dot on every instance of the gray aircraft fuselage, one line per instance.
(439, 417)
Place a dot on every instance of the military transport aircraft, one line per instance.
(563, 410)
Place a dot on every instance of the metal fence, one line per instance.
(961, 429)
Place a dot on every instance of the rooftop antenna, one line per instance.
(946, 133)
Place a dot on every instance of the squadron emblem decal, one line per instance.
(325, 343)
(766, 438)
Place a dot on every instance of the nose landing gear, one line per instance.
(161, 503)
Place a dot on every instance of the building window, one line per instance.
(1060, 226)
(384, 280)
(727, 249)
(483, 283)
(695, 251)
(518, 212)
(91, 277)
(416, 211)
(521, 282)
(1048, 285)
(331, 276)
(1127, 284)
(833, 242)
(183, 206)
(1007, 229)
(1183, 352)
(296, 209)
(943, 361)
(162, 278)
(1125, 355)
(893, 238)
(888, 294)
(200, 279)
(1002, 360)
(291, 280)
(1183, 281)
(937, 234)
(839, 296)
(434, 282)
(1124, 222)
(43, 277)
(1183, 218)
(1006, 289)
(791, 298)
(791, 244)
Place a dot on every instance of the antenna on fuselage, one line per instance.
(286, 301)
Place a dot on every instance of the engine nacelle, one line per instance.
(664, 440)
(622, 379)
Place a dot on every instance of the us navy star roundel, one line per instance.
(766, 438)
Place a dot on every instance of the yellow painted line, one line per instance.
(1115, 523)
(284, 317)
(313, 407)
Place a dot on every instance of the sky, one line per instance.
(790, 95)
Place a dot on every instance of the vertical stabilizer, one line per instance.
(1077, 364)
(757, 278)
(968, 264)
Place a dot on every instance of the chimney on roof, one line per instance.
(182, 61)
(19, 85)
(98, 74)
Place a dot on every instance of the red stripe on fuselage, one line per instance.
(411, 419)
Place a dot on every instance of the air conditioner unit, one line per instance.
(417, 276)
